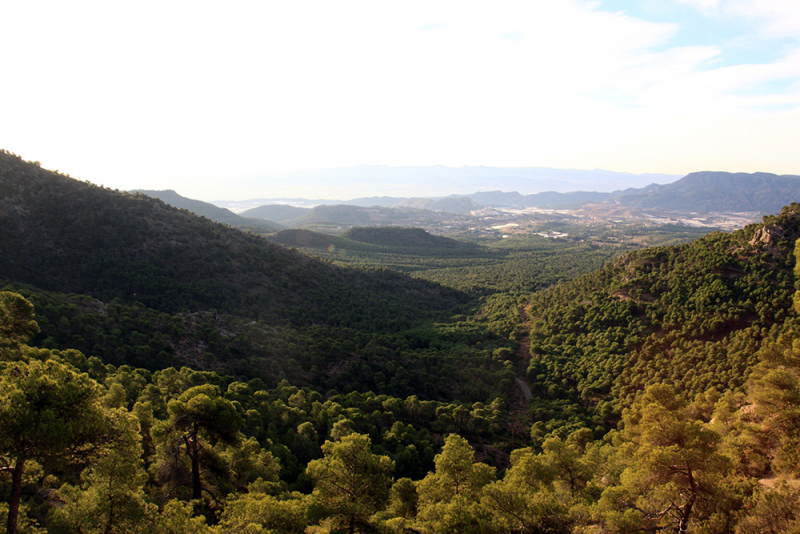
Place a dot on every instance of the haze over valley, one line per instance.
(704, 200)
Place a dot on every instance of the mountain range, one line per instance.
(706, 192)
(699, 192)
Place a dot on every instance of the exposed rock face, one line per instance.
(767, 236)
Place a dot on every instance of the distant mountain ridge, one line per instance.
(706, 192)
(702, 192)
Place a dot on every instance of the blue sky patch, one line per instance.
(740, 40)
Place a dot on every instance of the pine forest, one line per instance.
(164, 373)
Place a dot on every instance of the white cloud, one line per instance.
(155, 91)
(702, 5)
(780, 17)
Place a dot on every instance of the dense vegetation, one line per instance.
(89, 447)
(665, 384)
(63, 235)
(334, 217)
(692, 316)
(437, 360)
(210, 211)
(482, 266)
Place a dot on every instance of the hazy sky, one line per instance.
(167, 94)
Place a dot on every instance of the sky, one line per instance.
(195, 95)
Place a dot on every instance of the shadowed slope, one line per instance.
(65, 235)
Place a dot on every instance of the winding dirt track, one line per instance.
(523, 353)
(526, 391)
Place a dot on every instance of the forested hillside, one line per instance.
(275, 212)
(64, 235)
(117, 449)
(335, 218)
(692, 316)
(135, 282)
(160, 373)
(379, 239)
(205, 209)
(484, 266)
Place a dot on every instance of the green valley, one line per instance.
(163, 373)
